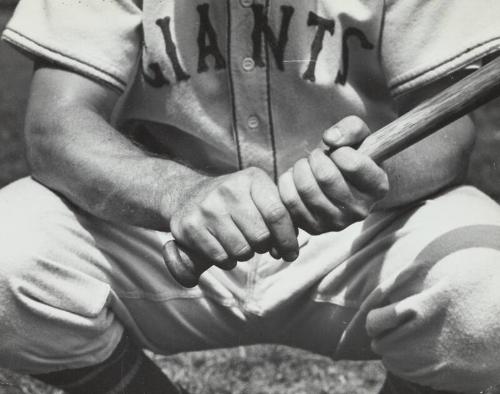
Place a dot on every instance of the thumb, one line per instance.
(350, 131)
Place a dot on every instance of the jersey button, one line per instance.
(253, 122)
(246, 3)
(248, 64)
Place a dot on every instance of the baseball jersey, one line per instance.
(227, 84)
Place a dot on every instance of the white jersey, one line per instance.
(228, 84)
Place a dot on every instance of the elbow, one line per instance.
(38, 140)
(46, 139)
(39, 152)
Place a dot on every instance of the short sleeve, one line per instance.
(423, 40)
(96, 38)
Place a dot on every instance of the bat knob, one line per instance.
(182, 268)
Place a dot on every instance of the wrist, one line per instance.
(174, 193)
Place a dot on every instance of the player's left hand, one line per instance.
(329, 190)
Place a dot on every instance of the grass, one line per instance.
(261, 369)
(257, 369)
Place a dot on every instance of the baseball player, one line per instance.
(208, 121)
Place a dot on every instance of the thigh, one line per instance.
(431, 300)
(323, 299)
(438, 325)
(77, 281)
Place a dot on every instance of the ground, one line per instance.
(258, 369)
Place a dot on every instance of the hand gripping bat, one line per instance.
(450, 104)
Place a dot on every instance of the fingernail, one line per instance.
(333, 135)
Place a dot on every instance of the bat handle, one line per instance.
(433, 114)
(183, 268)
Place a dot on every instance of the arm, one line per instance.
(436, 162)
(328, 195)
(74, 150)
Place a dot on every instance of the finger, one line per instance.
(200, 242)
(355, 205)
(324, 209)
(200, 264)
(277, 218)
(302, 217)
(274, 253)
(329, 179)
(253, 227)
(231, 239)
(350, 131)
(361, 172)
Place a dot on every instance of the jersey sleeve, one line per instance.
(97, 38)
(423, 40)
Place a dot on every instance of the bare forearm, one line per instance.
(102, 172)
(438, 161)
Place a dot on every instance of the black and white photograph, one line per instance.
(250, 197)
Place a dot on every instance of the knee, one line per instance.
(41, 242)
(28, 237)
(25, 227)
(445, 332)
(54, 301)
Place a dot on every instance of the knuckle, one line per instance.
(323, 170)
(226, 191)
(275, 213)
(351, 163)
(382, 186)
(306, 189)
(356, 166)
(326, 177)
(289, 200)
(292, 203)
(191, 223)
(208, 209)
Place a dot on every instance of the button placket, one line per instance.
(250, 95)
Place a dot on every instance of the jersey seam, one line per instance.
(161, 298)
(269, 106)
(119, 83)
(231, 87)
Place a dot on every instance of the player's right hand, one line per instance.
(330, 190)
(231, 217)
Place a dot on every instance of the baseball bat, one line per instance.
(431, 115)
